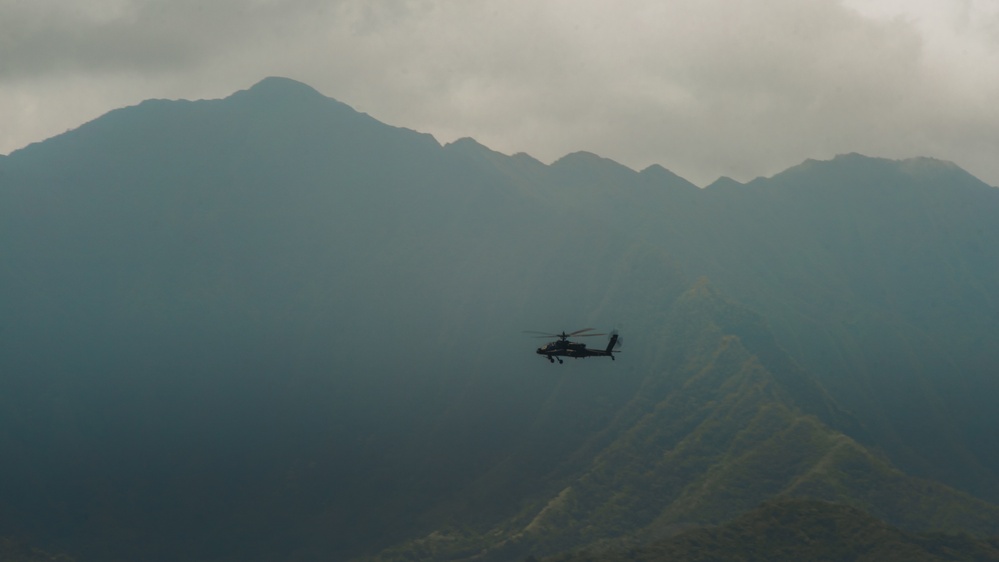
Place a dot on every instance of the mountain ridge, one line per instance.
(664, 471)
(798, 530)
(307, 324)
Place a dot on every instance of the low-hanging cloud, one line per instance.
(703, 87)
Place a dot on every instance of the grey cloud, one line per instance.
(703, 87)
(146, 36)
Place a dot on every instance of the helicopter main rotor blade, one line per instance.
(580, 334)
(563, 335)
(541, 334)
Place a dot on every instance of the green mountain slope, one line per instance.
(878, 276)
(712, 436)
(281, 329)
(791, 530)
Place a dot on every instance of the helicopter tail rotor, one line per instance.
(614, 342)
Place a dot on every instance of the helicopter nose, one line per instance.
(540, 351)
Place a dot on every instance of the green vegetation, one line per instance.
(12, 550)
(714, 437)
(282, 330)
(792, 530)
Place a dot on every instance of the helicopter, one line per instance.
(562, 347)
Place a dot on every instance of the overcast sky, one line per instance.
(706, 88)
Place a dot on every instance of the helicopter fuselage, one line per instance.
(564, 348)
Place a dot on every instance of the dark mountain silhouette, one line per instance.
(229, 318)
(281, 329)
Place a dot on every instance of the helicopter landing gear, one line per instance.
(552, 358)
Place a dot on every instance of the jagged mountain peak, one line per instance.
(855, 158)
(586, 172)
(284, 87)
(274, 116)
(276, 92)
(585, 159)
(284, 96)
(468, 145)
(858, 168)
(660, 175)
(724, 182)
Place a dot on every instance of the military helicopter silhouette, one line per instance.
(562, 347)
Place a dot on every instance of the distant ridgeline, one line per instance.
(271, 327)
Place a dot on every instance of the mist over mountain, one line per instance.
(876, 275)
(281, 329)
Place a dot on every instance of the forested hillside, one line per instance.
(800, 530)
(283, 330)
